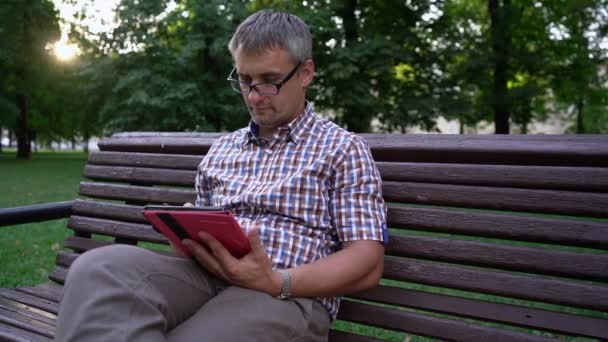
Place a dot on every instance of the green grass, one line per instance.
(28, 251)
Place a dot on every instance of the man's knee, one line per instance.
(110, 259)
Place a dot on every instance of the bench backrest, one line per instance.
(491, 236)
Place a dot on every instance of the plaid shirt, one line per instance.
(311, 188)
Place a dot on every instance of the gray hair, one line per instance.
(269, 29)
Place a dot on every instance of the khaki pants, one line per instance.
(126, 293)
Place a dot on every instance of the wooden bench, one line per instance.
(494, 238)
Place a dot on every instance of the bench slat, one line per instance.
(35, 302)
(342, 336)
(503, 226)
(522, 259)
(569, 264)
(137, 193)
(541, 201)
(46, 291)
(542, 177)
(153, 160)
(140, 175)
(426, 325)
(26, 313)
(522, 316)
(58, 275)
(515, 176)
(549, 290)
(11, 333)
(554, 178)
(579, 150)
(137, 231)
(116, 211)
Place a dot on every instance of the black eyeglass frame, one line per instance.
(235, 84)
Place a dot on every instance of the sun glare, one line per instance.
(65, 51)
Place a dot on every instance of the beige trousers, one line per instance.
(126, 293)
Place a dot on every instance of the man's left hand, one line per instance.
(253, 271)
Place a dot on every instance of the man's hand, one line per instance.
(253, 271)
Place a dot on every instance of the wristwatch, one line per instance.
(285, 285)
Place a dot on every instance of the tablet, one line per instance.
(178, 223)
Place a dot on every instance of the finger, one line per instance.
(255, 241)
(215, 246)
(223, 257)
(204, 258)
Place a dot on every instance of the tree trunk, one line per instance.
(10, 139)
(22, 132)
(85, 142)
(355, 118)
(580, 122)
(499, 28)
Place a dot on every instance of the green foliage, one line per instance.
(393, 64)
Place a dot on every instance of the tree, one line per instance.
(26, 28)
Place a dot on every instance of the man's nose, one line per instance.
(253, 97)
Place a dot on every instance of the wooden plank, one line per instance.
(137, 193)
(46, 291)
(549, 290)
(58, 275)
(169, 145)
(136, 231)
(342, 336)
(26, 323)
(109, 210)
(513, 150)
(11, 333)
(425, 325)
(65, 259)
(515, 176)
(558, 150)
(140, 175)
(544, 201)
(26, 313)
(80, 244)
(532, 177)
(209, 135)
(541, 201)
(38, 303)
(152, 160)
(558, 322)
(503, 226)
(521, 259)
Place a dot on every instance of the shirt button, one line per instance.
(268, 151)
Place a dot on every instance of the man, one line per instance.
(306, 192)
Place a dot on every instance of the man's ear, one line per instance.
(307, 73)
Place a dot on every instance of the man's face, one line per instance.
(270, 112)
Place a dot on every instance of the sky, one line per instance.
(103, 10)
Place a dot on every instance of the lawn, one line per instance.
(28, 251)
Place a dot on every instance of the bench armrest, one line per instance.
(35, 213)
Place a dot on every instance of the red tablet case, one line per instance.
(182, 224)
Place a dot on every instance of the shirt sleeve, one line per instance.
(357, 207)
(202, 184)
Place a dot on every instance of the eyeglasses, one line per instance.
(264, 89)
